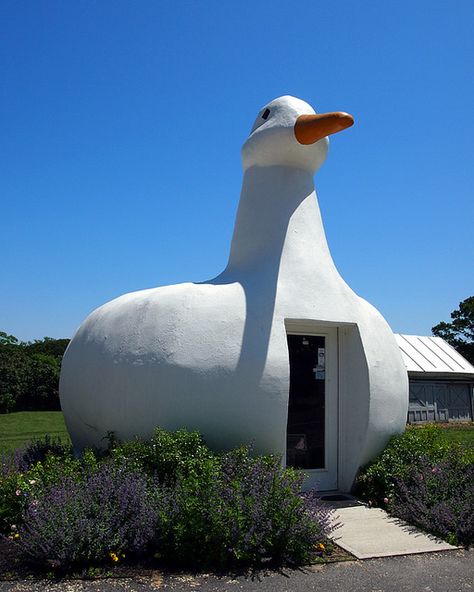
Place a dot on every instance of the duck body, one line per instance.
(214, 356)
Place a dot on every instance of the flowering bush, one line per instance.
(438, 497)
(23, 475)
(243, 510)
(38, 450)
(425, 480)
(376, 481)
(170, 497)
(13, 488)
(78, 522)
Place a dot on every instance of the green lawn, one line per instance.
(19, 428)
(463, 433)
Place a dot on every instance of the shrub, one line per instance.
(7, 402)
(189, 504)
(106, 515)
(55, 469)
(166, 455)
(28, 472)
(14, 486)
(438, 497)
(38, 450)
(12, 495)
(244, 510)
(425, 480)
(376, 481)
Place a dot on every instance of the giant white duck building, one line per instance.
(277, 350)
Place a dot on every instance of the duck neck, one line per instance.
(278, 229)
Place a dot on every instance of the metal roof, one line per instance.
(432, 355)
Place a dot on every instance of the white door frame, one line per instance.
(324, 479)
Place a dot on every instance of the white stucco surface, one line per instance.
(214, 356)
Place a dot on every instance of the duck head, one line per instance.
(288, 132)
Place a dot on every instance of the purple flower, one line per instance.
(78, 522)
(442, 501)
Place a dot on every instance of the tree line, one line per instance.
(29, 373)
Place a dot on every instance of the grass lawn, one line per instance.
(19, 428)
(459, 432)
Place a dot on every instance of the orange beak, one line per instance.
(311, 128)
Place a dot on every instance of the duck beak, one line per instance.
(311, 128)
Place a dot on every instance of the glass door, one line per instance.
(305, 432)
(312, 408)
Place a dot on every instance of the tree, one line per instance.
(15, 373)
(460, 332)
(29, 373)
(47, 346)
(6, 339)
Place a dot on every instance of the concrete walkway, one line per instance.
(371, 532)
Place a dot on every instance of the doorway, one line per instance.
(312, 407)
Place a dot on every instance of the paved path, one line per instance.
(371, 532)
(450, 571)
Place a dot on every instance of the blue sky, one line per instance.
(121, 128)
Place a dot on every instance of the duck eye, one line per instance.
(266, 113)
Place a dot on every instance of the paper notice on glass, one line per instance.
(321, 357)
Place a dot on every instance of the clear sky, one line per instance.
(122, 123)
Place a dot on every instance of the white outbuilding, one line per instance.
(277, 350)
